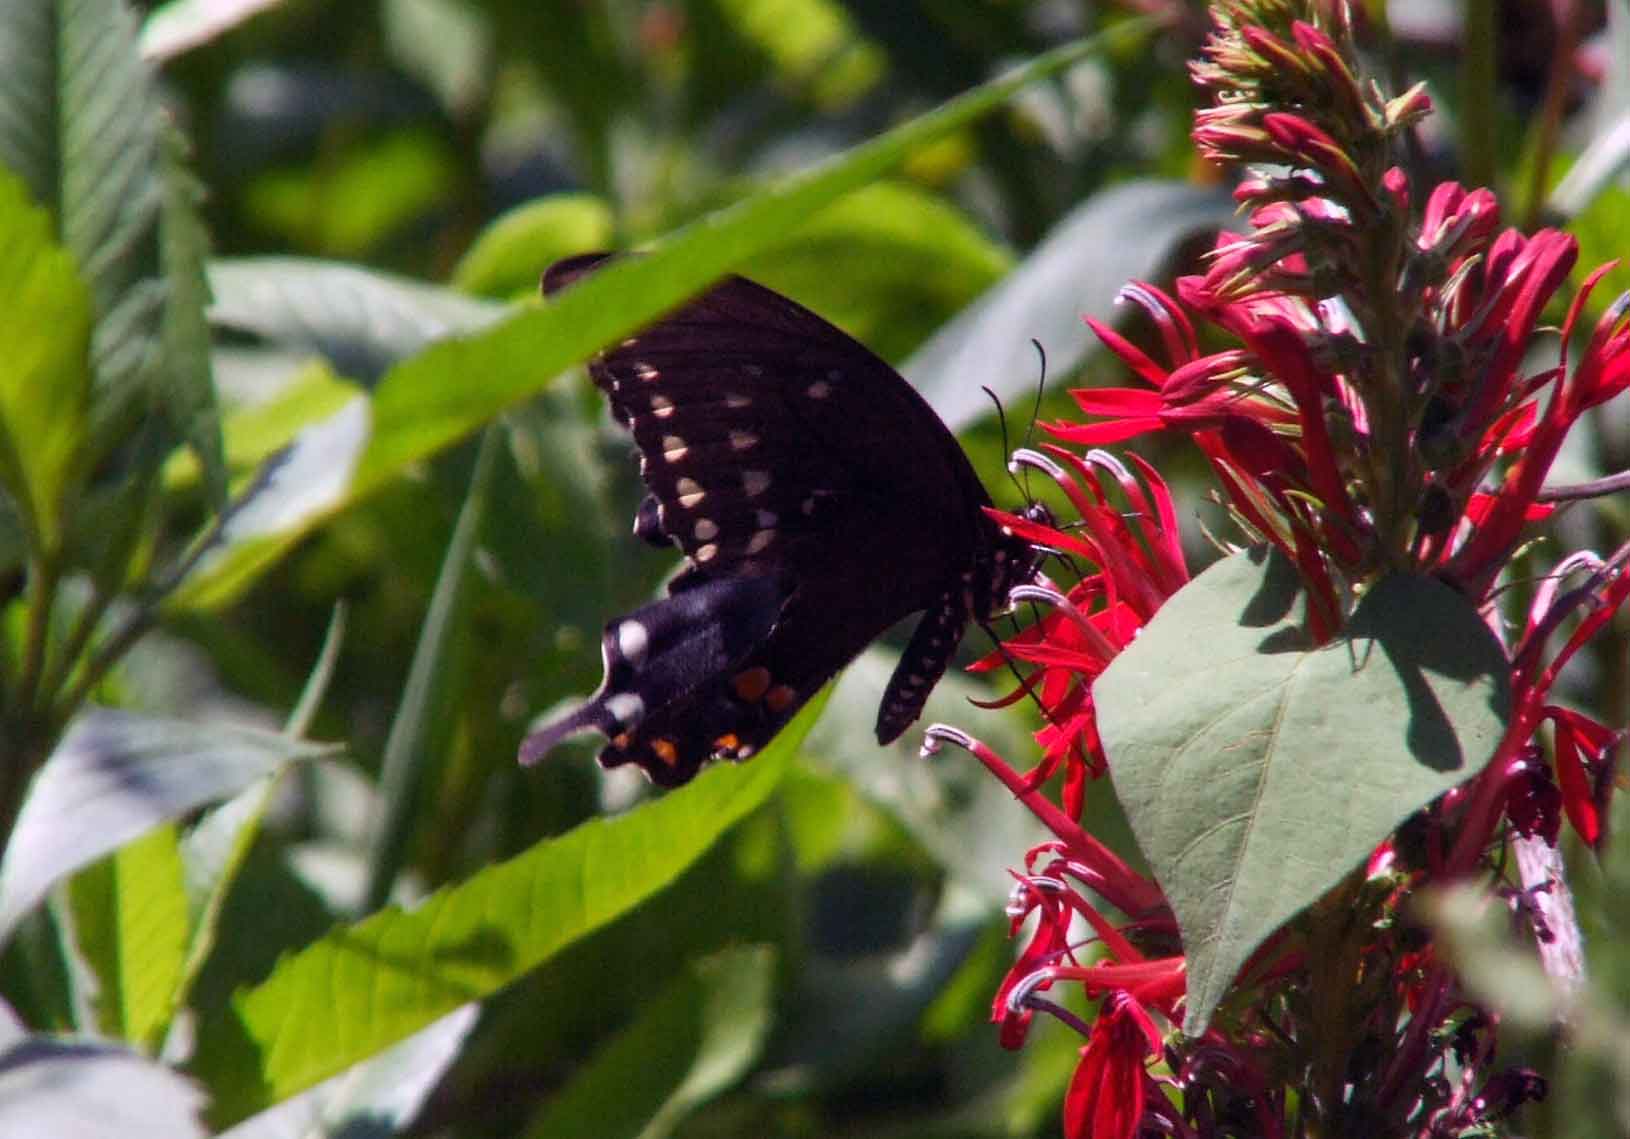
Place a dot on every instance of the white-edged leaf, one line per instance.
(360, 320)
(376, 1098)
(181, 25)
(114, 776)
(73, 1089)
(1077, 270)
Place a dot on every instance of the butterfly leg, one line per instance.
(921, 666)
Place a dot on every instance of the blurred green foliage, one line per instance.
(378, 175)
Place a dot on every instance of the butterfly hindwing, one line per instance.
(817, 499)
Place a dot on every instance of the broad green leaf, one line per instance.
(115, 776)
(379, 1097)
(370, 984)
(1120, 234)
(457, 384)
(130, 922)
(112, 190)
(692, 1042)
(1257, 772)
(77, 1089)
(510, 255)
(84, 126)
(186, 384)
(45, 317)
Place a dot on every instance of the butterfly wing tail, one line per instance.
(659, 656)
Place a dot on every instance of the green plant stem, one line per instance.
(1477, 96)
(61, 666)
(406, 752)
(43, 575)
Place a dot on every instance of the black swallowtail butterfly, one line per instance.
(818, 500)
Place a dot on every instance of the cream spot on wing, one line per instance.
(690, 493)
(755, 483)
(706, 530)
(809, 505)
(661, 406)
(742, 440)
(820, 389)
(626, 708)
(760, 541)
(736, 401)
(633, 639)
(641, 370)
(766, 519)
(707, 553)
(674, 448)
(753, 370)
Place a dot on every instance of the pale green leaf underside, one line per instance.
(1256, 774)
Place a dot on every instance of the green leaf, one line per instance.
(1257, 772)
(115, 776)
(511, 254)
(45, 317)
(367, 985)
(692, 1042)
(186, 382)
(112, 194)
(130, 919)
(377, 1098)
(84, 126)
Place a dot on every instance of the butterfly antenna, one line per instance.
(1001, 418)
(1035, 413)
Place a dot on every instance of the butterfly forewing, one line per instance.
(783, 457)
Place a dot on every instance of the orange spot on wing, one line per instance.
(751, 684)
(780, 698)
(665, 751)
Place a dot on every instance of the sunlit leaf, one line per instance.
(130, 922)
(45, 315)
(382, 1095)
(390, 974)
